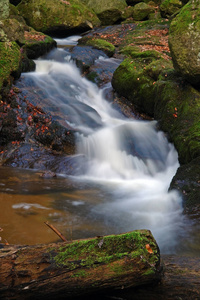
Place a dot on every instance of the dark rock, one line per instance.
(85, 56)
(187, 181)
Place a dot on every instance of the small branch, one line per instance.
(56, 231)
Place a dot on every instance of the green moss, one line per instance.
(10, 58)
(177, 108)
(101, 44)
(92, 253)
(149, 272)
(49, 15)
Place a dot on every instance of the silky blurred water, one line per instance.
(129, 166)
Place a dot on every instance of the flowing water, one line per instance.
(128, 166)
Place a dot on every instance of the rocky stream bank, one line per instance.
(158, 77)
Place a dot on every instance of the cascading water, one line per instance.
(129, 159)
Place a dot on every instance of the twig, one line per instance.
(56, 231)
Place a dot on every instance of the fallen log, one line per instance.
(67, 270)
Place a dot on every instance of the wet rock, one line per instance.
(102, 71)
(187, 181)
(100, 44)
(85, 56)
(184, 42)
(55, 16)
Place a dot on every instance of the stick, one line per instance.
(56, 231)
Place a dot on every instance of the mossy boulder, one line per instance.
(37, 44)
(184, 42)
(109, 12)
(136, 76)
(10, 65)
(178, 109)
(58, 16)
(170, 7)
(141, 11)
(4, 9)
(13, 30)
(99, 44)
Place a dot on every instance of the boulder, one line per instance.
(4, 9)
(15, 2)
(58, 17)
(177, 109)
(141, 11)
(10, 60)
(136, 76)
(109, 12)
(184, 42)
(170, 7)
(99, 44)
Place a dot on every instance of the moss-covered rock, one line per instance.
(13, 30)
(37, 44)
(178, 109)
(141, 11)
(170, 7)
(58, 15)
(4, 9)
(10, 65)
(184, 41)
(99, 44)
(109, 12)
(136, 76)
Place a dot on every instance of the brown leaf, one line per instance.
(149, 248)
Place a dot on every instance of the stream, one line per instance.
(122, 185)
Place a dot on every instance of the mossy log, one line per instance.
(67, 270)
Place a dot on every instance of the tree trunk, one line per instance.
(181, 281)
(62, 271)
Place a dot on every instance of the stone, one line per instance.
(4, 9)
(141, 11)
(58, 17)
(170, 7)
(184, 42)
(109, 12)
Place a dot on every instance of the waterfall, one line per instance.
(129, 159)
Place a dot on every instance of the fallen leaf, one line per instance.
(149, 248)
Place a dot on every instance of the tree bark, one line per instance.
(66, 270)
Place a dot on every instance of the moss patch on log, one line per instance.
(109, 250)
